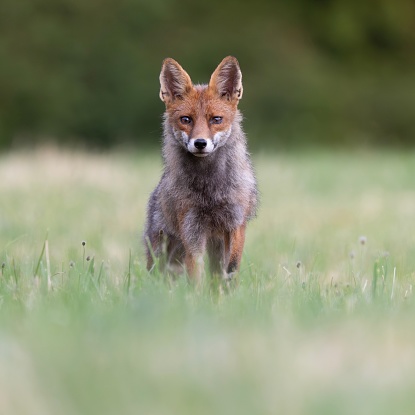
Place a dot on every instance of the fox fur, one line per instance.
(208, 191)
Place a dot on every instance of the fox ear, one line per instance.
(227, 79)
(174, 81)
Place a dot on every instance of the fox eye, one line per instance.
(216, 120)
(185, 120)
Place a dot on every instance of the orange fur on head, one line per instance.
(201, 102)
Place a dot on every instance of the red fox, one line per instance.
(208, 191)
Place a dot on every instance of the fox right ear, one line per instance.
(227, 79)
(174, 81)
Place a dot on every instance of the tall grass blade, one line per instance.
(41, 256)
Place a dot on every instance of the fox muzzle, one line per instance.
(200, 147)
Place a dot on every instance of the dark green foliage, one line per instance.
(329, 72)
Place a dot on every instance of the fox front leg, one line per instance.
(194, 266)
(193, 238)
(234, 245)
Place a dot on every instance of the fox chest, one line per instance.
(214, 217)
(217, 214)
(212, 211)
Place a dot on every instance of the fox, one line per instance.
(208, 190)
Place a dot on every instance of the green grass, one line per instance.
(320, 321)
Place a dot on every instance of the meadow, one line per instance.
(319, 321)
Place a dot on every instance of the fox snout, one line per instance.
(200, 143)
(200, 147)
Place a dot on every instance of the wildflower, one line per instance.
(298, 264)
(83, 243)
(362, 240)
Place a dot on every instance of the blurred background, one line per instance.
(328, 73)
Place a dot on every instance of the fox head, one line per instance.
(201, 116)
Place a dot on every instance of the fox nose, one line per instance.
(200, 143)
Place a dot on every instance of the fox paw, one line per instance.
(228, 276)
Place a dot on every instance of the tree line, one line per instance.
(315, 72)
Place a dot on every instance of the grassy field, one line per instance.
(321, 320)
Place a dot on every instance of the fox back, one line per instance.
(208, 191)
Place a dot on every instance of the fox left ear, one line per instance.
(174, 81)
(227, 79)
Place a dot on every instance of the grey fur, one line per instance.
(217, 192)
